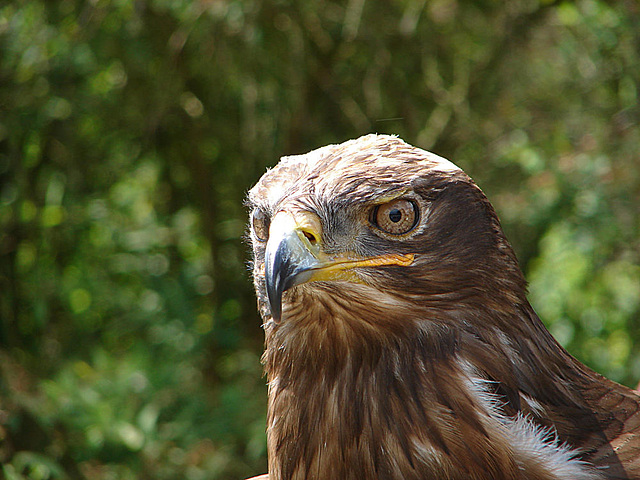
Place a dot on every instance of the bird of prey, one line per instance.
(399, 342)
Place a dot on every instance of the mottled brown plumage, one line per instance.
(399, 340)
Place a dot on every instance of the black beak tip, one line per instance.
(274, 295)
(277, 268)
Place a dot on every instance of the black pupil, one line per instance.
(395, 215)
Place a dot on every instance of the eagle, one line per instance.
(399, 341)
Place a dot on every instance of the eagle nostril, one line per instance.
(311, 237)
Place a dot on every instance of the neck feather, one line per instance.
(383, 395)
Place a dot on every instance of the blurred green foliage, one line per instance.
(130, 131)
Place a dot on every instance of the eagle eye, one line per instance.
(396, 217)
(260, 224)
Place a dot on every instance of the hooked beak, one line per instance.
(294, 256)
(288, 261)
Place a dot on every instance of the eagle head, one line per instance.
(376, 218)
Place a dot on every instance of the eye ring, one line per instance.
(397, 217)
(260, 222)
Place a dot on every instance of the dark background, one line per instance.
(131, 130)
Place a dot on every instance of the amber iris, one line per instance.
(396, 217)
(260, 224)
